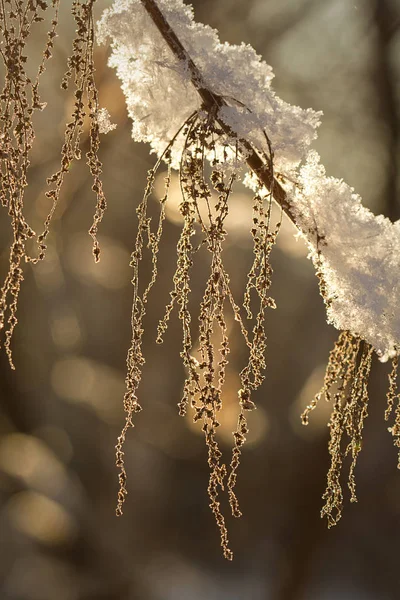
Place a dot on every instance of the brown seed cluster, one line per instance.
(346, 386)
(81, 70)
(204, 207)
(19, 100)
(393, 397)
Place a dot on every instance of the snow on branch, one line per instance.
(359, 254)
(355, 250)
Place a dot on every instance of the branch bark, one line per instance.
(212, 101)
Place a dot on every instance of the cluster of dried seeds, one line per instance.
(19, 100)
(81, 69)
(393, 397)
(204, 207)
(346, 386)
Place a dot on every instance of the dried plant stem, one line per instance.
(393, 397)
(346, 382)
(204, 208)
(19, 100)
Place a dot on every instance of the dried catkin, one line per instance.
(204, 208)
(19, 99)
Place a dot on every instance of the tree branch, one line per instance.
(212, 101)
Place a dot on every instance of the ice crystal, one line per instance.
(104, 121)
(160, 96)
(357, 253)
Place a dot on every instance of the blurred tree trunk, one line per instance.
(387, 21)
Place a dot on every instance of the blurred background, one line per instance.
(61, 411)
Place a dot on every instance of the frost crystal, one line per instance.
(359, 255)
(104, 121)
(160, 96)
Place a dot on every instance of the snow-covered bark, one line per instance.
(359, 255)
(160, 95)
(355, 250)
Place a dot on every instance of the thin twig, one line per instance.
(212, 101)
